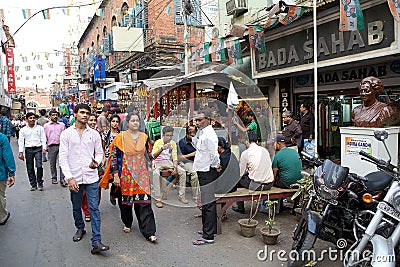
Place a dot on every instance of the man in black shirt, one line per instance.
(307, 125)
(291, 131)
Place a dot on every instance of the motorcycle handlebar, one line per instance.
(380, 163)
(310, 158)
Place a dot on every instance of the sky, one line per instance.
(39, 34)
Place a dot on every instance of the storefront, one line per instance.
(344, 59)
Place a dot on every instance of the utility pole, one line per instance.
(186, 9)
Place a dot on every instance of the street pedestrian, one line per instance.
(5, 124)
(107, 139)
(42, 121)
(53, 131)
(128, 169)
(7, 175)
(206, 163)
(102, 122)
(264, 126)
(80, 155)
(291, 131)
(32, 140)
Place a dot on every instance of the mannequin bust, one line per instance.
(371, 113)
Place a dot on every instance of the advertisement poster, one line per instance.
(10, 70)
(99, 69)
(355, 144)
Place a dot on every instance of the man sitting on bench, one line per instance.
(255, 169)
(286, 164)
(166, 158)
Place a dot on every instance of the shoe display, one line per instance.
(183, 199)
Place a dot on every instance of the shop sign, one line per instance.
(297, 49)
(10, 71)
(99, 69)
(388, 70)
(353, 145)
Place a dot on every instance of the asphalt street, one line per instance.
(40, 230)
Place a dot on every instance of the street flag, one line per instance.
(26, 13)
(65, 11)
(234, 52)
(46, 14)
(99, 12)
(218, 49)
(256, 38)
(351, 17)
(294, 13)
(192, 57)
(394, 6)
(203, 52)
(271, 23)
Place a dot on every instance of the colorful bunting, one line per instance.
(168, 10)
(26, 13)
(234, 52)
(99, 12)
(256, 38)
(351, 17)
(65, 11)
(271, 23)
(394, 6)
(294, 13)
(192, 57)
(203, 52)
(218, 49)
(46, 14)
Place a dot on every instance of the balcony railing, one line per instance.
(236, 7)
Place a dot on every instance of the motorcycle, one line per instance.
(333, 205)
(378, 246)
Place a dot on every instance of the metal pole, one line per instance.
(315, 76)
(185, 38)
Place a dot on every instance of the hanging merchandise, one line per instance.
(232, 100)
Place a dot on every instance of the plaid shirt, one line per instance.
(5, 126)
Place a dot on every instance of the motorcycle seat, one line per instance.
(377, 181)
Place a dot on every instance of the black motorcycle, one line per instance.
(333, 205)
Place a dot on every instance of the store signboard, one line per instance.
(10, 70)
(99, 69)
(286, 54)
(353, 145)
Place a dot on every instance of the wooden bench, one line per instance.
(224, 201)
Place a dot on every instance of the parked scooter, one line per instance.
(334, 204)
(379, 243)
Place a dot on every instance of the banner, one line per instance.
(271, 23)
(351, 17)
(394, 6)
(99, 69)
(46, 14)
(192, 57)
(294, 13)
(10, 70)
(256, 38)
(203, 52)
(218, 49)
(234, 52)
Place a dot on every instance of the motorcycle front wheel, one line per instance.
(304, 242)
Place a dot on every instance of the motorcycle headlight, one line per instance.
(396, 200)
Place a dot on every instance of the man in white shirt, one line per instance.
(206, 163)
(32, 140)
(255, 169)
(79, 156)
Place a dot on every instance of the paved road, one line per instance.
(40, 230)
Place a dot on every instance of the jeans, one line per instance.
(92, 193)
(34, 153)
(53, 155)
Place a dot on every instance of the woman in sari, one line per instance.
(128, 169)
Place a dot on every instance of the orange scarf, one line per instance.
(124, 142)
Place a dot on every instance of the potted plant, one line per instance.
(301, 197)
(270, 234)
(248, 226)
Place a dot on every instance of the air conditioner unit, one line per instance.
(236, 7)
(220, 31)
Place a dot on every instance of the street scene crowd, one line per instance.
(112, 151)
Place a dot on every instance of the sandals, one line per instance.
(127, 230)
(78, 235)
(202, 241)
(152, 239)
(99, 247)
(87, 218)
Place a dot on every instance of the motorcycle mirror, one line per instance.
(381, 135)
